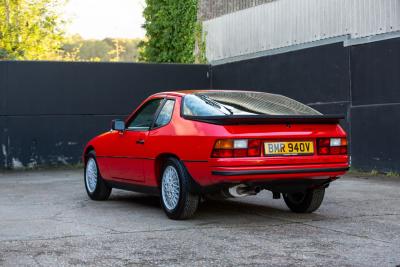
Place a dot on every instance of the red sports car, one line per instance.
(190, 145)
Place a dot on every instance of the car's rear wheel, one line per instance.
(305, 202)
(176, 199)
(96, 187)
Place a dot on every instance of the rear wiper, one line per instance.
(228, 109)
(209, 101)
(214, 103)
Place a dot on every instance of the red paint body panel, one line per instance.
(120, 158)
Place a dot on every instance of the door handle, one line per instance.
(140, 141)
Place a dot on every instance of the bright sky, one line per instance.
(98, 19)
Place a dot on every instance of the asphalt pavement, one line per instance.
(46, 219)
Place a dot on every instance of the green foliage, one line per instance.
(77, 49)
(200, 52)
(30, 29)
(170, 30)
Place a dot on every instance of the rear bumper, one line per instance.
(210, 173)
(278, 171)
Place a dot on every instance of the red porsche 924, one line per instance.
(189, 145)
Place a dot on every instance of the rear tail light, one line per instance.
(332, 146)
(228, 148)
(254, 149)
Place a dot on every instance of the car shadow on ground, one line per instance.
(144, 200)
(232, 208)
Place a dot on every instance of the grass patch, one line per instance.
(363, 173)
(393, 174)
(373, 172)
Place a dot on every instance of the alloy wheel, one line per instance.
(170, 188)
(91, 175)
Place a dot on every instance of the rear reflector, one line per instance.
(240, 152)
(254, 148)
(335, 150)
(323, 150)
(323, 142)
(222, 153)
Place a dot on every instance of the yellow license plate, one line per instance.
(288, 148)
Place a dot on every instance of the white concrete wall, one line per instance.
(289, 23)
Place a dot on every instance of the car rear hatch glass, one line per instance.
(242, 107)
(222, 103)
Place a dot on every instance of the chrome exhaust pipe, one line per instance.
(243, 190)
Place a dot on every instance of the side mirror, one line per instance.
(118, 125)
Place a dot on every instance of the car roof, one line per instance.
(188, 92)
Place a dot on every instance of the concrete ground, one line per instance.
(46, 219)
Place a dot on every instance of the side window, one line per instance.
(165, 114)
(144, 117)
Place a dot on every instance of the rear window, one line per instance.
(242, 103)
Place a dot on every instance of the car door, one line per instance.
(129, 145)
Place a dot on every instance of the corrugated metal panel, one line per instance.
(284, 23)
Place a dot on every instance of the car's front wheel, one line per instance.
(96, 187)
(305, 202)
(176, 199)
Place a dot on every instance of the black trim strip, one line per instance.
(255, 172)
(123, 157)
(134, 187)
(266, 119)
(159, 111)
(139, 109)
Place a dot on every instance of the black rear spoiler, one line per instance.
(267, 119)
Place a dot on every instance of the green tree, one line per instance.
(117, 51)
(77, 49)
(30, 29)
(170, 31)
(200, 49)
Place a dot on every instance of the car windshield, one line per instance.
(224, 103)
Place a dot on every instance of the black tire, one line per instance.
(102, 191)
(306, 202)
(188, 202)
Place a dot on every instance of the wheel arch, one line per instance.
(88, 149)
(159, 162)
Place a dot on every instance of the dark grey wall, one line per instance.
(49, 110)
(361, 81)
(308, 75)
(319, 76)
(375, 113)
